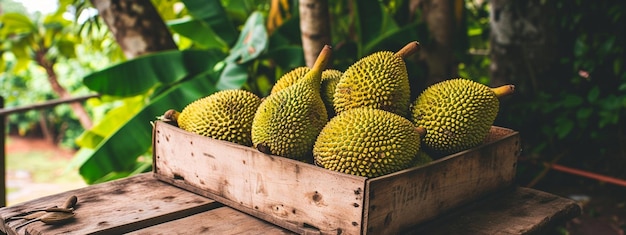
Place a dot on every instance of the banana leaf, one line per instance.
(212, 13)
(169, 80)
(137, 76)
(119, 152)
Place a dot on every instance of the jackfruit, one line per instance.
(330, 78)
(421, 158)
(289, 78)
(287, 122)
(367, 142)
(224, 115)
(379, 80)
(457, 114)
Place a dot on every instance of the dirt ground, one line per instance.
(37, 168)
(604, 205)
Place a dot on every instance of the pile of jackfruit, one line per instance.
(360, 121)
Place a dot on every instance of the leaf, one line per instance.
(583, 114)
(67, 48)
(572, 101)
(477, 31)
(396, 37)
(252, 41)
(564, 127)
(287, 57)
(15, 24)
(212, 13)
(370, 19)
(119, 151)
(112, 121)
(593, 95)
(198, 32)
(232, 77)
(617, 66)
(137, 76)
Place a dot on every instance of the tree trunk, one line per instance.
(137, 26)
(79, 110)
(524, 43)
(314, 27)
(438, 51)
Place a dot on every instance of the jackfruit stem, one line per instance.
(421, 130)
(409, 49)
(322, 59)
(504, 90)
(170, 116)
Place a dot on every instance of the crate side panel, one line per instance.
(404, 199)
(276, 189)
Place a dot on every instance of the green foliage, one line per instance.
(579, 110)
(574, 109)
(475, 64)
(217, 51)
(27, 40)
(164, 80)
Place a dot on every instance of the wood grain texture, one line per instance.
(306, 198)
(406, 198)
(112, 208)
(295, 195)
(518, 210)
(143, 205)
(223, 221)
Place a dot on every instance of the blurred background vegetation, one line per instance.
(566, 58)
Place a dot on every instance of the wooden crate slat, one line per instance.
(291, 194)
(114, 207)
(305, 198)
(403, 199)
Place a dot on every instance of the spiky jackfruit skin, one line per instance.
(421, 159)
(330, 78)
(457, 115)
(379, 80)
(289, 78)
(287, 122)
(367, 142)
(224, 115)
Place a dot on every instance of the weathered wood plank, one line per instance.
(291, 194)
(223, 220)
(113, 207)
(300, 196)
(518, 210)
(403, 199)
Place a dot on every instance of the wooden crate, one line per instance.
(308, 199)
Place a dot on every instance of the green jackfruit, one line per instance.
(457, 114)
(287, 122)
(379, 80)
(367, 142)
(330, 79)
(224, 115)
(289, 78)
(421, 158)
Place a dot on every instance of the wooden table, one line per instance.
(144, 205)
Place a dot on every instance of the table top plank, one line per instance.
(144, 205)
(223, 220)
(517, 210)
(113, 207)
